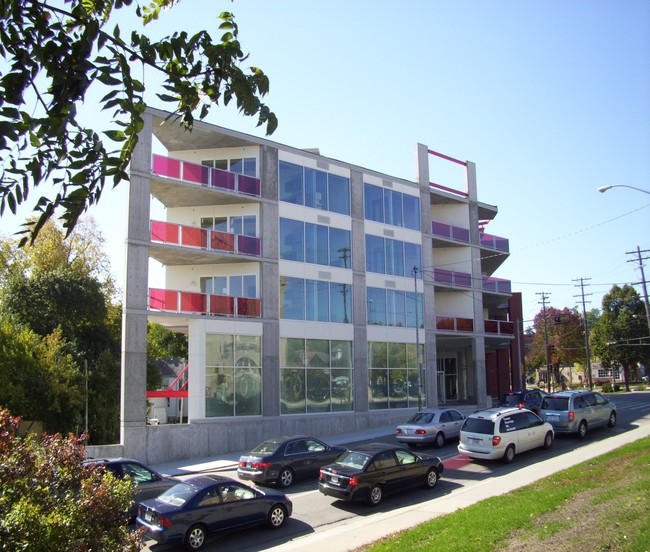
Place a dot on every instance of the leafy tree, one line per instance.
(617, 336)
(57, 51)
(50, 501)
(566, 340)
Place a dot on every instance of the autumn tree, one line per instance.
(56, 53)
(620, 337)
(560, 334)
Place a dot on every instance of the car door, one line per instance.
(457, 420)
(239, 506)
(318, 455)
(298, 457)
(149, 484)
(412, 469)
(600, 408)
(387, 471)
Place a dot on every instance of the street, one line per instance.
(314, 512)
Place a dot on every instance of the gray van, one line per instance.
(577, 411)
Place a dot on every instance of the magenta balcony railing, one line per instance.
(168, 300)
(496, 285)
(450, 232)
(499, 327)
(191, 236)
(205, 176)
(452, 278)
(495, 242)
(454, 324)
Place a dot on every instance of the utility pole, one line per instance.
(548, 369)
(643, 282)
(586, 327)
(417, 337)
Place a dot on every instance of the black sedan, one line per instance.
(208, 504)
(280, 461)
(370, 472)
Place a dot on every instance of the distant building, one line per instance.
(292, 275)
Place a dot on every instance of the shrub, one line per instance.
(49, 501)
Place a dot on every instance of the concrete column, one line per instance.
(197, 361)
(134, 315)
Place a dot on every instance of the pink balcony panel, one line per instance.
(497, 285)
(463, 279)
(495, 242)
(193, 302)
(248, 185)
(163, 299)
(198, 174)
(460, 234)
(248, 307)
(443, 276)
(464, 324)
(222, 179)
(248, 245)
(222, 305)
(165, 166)
(222, 241)
(164, 232)
(194, 237)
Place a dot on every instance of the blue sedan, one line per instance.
(204, 505)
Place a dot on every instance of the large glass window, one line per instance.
(394, 257)
(316, 189)
(393, 308)
(233, 375)
(373, 202)
(375, 255)
(341, 303)
(292, 298)
(392, 375)
(246, 165)
(339, 194)
(396, 308)
(376, 298)
(412, 257)
(340, 251)
(411, 210)
(315, 375)
(315, 300)
(292, 244)
(291, 183)
(391, 207)
(235, 286)
(316, 244)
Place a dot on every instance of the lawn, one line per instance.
(602, 504)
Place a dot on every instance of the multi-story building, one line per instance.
(318, 297)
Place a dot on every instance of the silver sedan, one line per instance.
(430, 427)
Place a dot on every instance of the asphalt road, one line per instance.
(314, 511)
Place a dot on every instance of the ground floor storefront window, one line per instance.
(392, 375)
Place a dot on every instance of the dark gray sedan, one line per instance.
(280, 461)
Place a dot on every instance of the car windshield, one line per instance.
(512, 400)
(479, 425)
(178, 494)
(555, 403)
(421, 418)
(352, 459)
(267, 447)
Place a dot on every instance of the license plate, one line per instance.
(335, 480)
(248, 464)
(474, 440)
(148, 516)
(409, 431)
(552, 417)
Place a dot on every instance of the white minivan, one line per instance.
(502, 432)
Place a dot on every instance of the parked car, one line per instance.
(430, 427)
(577, 411)
(280, 461)
(502, 432)
(370, 472)
(201, 506)
(149, 482)
(530, 399)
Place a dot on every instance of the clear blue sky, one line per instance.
(550, 99)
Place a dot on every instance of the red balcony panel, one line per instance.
(464, 324)
(445, 323)
(222, 179)
(163, 299)
(460, 234)
(222, 305)
(491, 326)
(222, 241)
(199, 174)
(248, 185)
(194, 237)
(193, 302)
(249, 245)
(507, 328)
(165, 166)
(249, 307)
(164, 232)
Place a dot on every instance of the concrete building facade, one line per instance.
(318, 297)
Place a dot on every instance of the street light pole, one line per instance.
(417, 337)
(603, 189)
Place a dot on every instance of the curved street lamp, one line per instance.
(603, 189)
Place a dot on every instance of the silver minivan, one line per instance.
(577, 411)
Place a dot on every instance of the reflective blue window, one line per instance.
(411, 210)
(376, 306)
(394, 257)
(373, 199)
(375, 255)
(410, 309)
(392, 208)
(317, 300)
(340, 251)
(291, 183)
(395, 308)
(292, 244)
(412, 257)
(339, 194)
(292, 298)
(315, 188)
(316, 242)
(341, 303)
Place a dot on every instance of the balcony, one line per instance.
(496, 285)
(187, 302)
(499, 327)
(495, 242)
(449, 232)
(466, 325)
(452, 278)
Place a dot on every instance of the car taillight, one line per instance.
(496, 440)
(139, 511)
(521, 405)
(572, 415)
(354, 481)
(398, 431)
(165, 521)
(255, 465)
(420, 432)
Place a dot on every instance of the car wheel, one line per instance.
(548, 440)
(612, 419)
(440, 440)
(195, 537)
(277, 516)
(582, 429)
(376, 495)
(432, 479)
(285, 479)
(509, 454)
